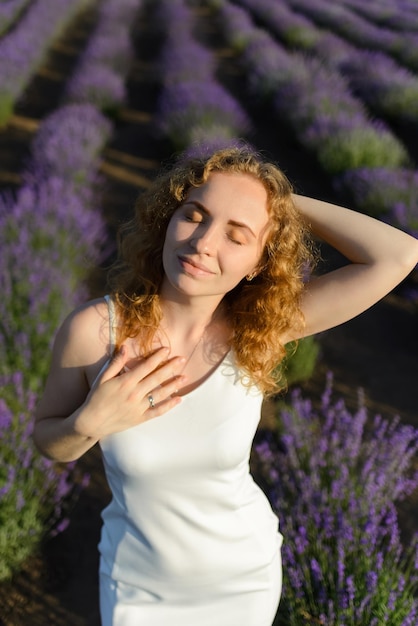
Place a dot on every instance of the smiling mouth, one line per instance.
(193, 268)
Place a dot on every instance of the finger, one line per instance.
(161, 407)
(157, 366)
(163, 376)
(115, 365)
(167, 390)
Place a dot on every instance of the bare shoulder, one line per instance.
(84, 335)
(80, 349)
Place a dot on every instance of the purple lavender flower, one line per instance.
(388, 88)
(186, 105)
(23, 49)
(69, 140)
(99, 85)
(194, 108)
(100, 76)
(335, 499)
(294, 29)
(237, 25)
(341, 20)
(391, 193)
(395, 16)
(9, 12)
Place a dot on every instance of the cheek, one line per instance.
(177, 232)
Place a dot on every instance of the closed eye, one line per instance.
(236, 241)
(235, 235)
(195, 217)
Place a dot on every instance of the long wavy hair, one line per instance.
(260, 312)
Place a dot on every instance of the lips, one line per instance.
(193, 267)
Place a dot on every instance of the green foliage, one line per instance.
(6, 108)
(301, 38)
(401, 103)
(363, 147)
(300, 362)
(31, 487)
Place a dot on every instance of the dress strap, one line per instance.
(112, 324)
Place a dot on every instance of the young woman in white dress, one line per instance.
(168, 373)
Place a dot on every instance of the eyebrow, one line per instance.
(202, 208)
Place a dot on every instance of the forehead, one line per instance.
(234, 196)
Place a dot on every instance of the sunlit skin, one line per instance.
(215, 238)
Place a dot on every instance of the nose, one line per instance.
(204, 239)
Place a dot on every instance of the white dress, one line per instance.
(189, 539)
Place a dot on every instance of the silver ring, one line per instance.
(151, 401)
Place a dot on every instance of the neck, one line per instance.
(188, 321)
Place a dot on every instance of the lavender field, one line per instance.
(94, 96)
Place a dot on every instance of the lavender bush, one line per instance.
(262, 59)
(384, 192)
(100, 77)
(49, 234)
(23, 49)
(341, 20)
(10, 11)
(333, 477)
(294, 30)
(392, 15)
(386, 87)
(237, 25)
(190, 105)
(359, 31)
(343, 143)
(319, 106)
(32, 489)
(68, 144)
(187, 62)
(193, 105)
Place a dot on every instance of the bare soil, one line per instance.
(377, 351)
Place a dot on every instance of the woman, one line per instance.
(168, 375)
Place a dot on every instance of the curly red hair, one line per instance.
(261, 312)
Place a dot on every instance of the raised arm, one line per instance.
(380, 258)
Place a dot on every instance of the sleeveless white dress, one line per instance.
(188, 538)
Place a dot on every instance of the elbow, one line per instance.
(41, 446)
(409, 258)
(37, 441)
(47, 449)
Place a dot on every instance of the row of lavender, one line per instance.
(332, 479)
(364, 158)
(385, 86)
(400, 15)
(24, 48)
(51, 234)
(362, 32)
(194, 110)
(10, 13)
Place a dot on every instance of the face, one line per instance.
(216, 237)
